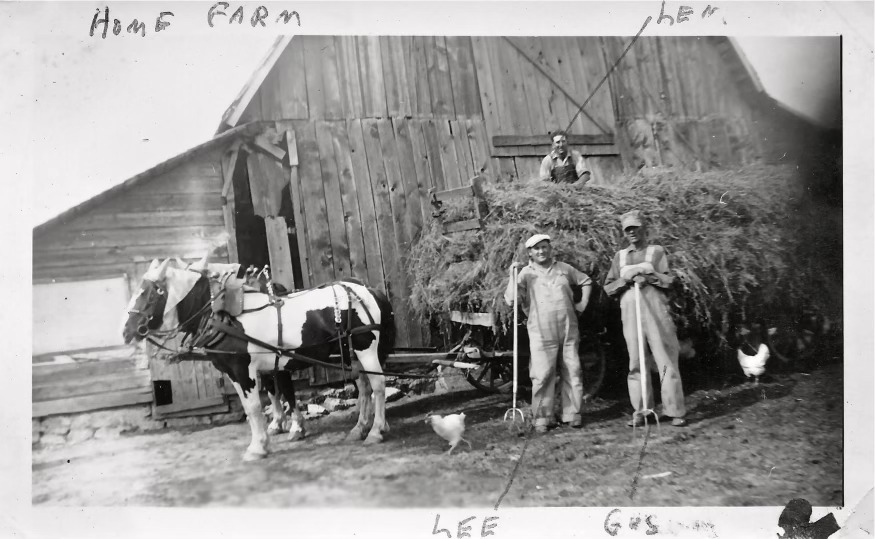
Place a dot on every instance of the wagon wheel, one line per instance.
(593, 363)
(493, 375)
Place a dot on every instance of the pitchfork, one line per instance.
(644, 412)
(514, 411)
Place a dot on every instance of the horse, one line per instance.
(313, 321)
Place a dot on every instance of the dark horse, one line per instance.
(172, 299)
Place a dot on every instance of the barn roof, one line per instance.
(224, 138)
(238, 106)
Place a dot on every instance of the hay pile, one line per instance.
(740, 242)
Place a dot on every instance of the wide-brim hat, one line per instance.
(536, 239)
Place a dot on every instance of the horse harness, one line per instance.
(214, 328)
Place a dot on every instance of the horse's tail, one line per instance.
(387, 325)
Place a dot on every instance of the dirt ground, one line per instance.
(745, 445)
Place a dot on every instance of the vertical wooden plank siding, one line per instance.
(585, 76)
(551, 58)
(577, 90)
(421, 163)
(395, 70)
(466, 99)
(481, 154)
(330, 80)
(229, 162)
(401, 221)
(370, 231)
(292, 82)
(269, 96)
(511, 99)
(385, 224)
(507, 169)
(433, 152)
(350, 77)
(420, 90)
(449, 159)
(395, 184)
(313, 197)
(486, 86)
(313, 77)
(333, 204)
(439, 78)
(528, 168)
(459, 129)
(541, 118)
(296, 192)
(371, 65)
(277, 233)
(593, 66)
(358, 265)
(409, 178)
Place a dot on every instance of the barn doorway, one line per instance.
(251, 213)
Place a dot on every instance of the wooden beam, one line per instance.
(62, 387)
(298, 207)
(459, 226)
(265, 143)
(573, 140)
(91, 402)
(541, 151)
(189, 405)
(458, 192)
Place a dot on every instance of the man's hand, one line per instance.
(640, 279)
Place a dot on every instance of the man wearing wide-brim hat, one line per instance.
(544, 287)
(647, 265)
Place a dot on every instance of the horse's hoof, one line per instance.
(373, 439)
(297, 435)
(274, 430)
(355, 435)
(252, 457)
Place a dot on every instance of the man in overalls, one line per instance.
(562, 166)
(545, 291)
(647, 265)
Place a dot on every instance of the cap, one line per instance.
(632, 218)
(536, 239)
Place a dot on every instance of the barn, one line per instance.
(326, 163)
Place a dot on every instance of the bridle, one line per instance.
(148, 322)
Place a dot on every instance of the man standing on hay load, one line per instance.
(546, 286)
(562, 165)
(647, 265)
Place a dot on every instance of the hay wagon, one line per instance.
(483, 346)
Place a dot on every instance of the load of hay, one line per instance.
(741, 243)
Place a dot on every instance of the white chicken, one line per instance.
(450, 428)
(754, 365)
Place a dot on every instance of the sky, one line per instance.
(108, 109)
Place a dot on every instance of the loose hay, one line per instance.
(741, 243)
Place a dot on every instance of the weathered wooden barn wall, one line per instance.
(379, 121)
(175, 211)
(175, 214)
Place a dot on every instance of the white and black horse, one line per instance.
(172, 299)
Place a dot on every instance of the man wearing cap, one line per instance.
(545, 291)
(647, 265)
(562, 166)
